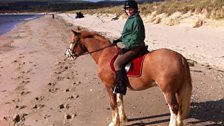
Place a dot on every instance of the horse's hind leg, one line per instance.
(113, 105)
(120, 106)
(173, 107)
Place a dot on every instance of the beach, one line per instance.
(39, 86)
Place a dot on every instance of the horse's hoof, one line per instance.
(124, 119)
(113, 124)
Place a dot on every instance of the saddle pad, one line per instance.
(136, 66)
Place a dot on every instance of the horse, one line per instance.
(165, 68)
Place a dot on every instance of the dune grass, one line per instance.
(211, 8)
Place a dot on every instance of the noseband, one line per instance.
(73, 54)
(70, 52)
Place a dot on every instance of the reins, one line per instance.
(73, 55)
(97, 50)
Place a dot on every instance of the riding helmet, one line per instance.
(130, 4)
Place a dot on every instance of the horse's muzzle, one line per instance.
(70, 54)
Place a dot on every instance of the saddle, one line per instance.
(134, 67)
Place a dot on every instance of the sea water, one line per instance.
(9, 21)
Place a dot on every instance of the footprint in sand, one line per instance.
(53, 90)
(47, 116)
(20, 107)
(21, 56)
(61, 106)
(20, 87)
(3, 91)
(40, 98)
(19, 118)
(209, 67)
(38, 106)
(34, 65)
(72, 97)
(70, 116)
(17, 78)
(77, 83)
(25, 93)
(67, 90)
(60, 78)
(25, 82)
(51, 84)
(16, 100)
(15, 61)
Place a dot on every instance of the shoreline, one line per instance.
(7, 39)
(15, 19)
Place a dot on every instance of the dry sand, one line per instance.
(40, 87)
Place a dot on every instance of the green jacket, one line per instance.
(133, 33)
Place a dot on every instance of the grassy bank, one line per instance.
(213, 9)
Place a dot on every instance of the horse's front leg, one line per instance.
(120, 106)
(114, 108)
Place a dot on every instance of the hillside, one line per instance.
(169, 12)
(17, 6)
(43, 6)
(174, 12)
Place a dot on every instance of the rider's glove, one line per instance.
(116, 41)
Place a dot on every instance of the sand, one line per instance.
(40, 87)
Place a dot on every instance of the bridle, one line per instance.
(71, 48)
(71, 53)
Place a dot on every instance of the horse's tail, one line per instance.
(184, 94)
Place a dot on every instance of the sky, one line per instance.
(71, 0)
(93, 0)
(99, 0)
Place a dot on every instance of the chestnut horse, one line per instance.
(163, 67)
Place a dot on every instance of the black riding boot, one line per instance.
(121, 80)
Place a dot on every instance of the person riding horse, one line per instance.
(132, 37)
(165, 68)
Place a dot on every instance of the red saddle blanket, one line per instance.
(136, 66)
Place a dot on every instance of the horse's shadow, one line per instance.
(209, 111)
(141, 123)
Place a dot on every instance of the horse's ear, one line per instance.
(75, 32)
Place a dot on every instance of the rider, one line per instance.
(132, 37)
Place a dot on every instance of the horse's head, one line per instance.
(86, 42)
(76, 47)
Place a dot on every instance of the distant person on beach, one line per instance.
(132, 37)
(52, 16)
